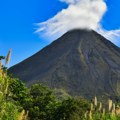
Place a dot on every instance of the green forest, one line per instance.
(18, 102)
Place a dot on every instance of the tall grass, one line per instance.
(98, 112)
(8, 110)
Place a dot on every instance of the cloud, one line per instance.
(69, 1)
(80, 14)
(84, 14)
(112, 35)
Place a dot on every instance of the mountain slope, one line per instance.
(80, 62)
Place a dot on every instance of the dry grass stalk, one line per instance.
(100, 107)
(91, 107)
(0, 72)
(113, 110)
(8, 56)
(0, 67)
(22, 115)
(90, 115)
(0, 64)
(95, 101)
(117, 111)
(113, 107)
(26, 116)
(113, 113)
(110, 103)
(103, 113)
(85, 115)
(3, 75)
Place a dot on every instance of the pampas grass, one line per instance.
(0, 64)
(110, 103)
(103, 112)
(90, 115)
(0, 67)
(100, 107)
(8, 56)
(98, 112)
(8, 110)
(91, 107)
(95, 101)
(23, 115)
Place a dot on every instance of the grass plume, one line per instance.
(8, 56)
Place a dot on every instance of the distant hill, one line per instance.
(80, 62)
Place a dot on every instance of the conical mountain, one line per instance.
(80, 62)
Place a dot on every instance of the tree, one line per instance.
(40, 105)
(20, 93)
(71, 109)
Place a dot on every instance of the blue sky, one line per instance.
(111, 19)
(17, 18)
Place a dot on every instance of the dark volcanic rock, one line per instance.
(80, 62)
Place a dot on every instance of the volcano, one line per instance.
(80, 62)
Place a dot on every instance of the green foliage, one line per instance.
(8, 110)
(43, 105)
(65, 109)
(19, 91)
(2, 57)
(71, 109)
(41, 99)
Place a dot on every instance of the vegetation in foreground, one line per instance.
(17, 102)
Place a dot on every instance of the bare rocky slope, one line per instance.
(80, 62)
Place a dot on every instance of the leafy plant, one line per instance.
(8, 109)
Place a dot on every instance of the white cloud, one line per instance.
(84, 14)
(112, 35)
(69, 1)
